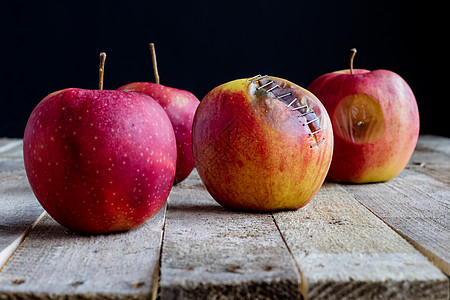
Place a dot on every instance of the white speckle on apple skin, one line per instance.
(180, 106)
(89, 150)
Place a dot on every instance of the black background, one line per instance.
(51, 45)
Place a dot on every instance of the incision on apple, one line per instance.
(262, 144)
(375, 121)
(180, 106)
(100, 160)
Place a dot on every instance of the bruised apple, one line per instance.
(99, 160)
(375, 121)
(262, 144)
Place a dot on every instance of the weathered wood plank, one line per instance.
(8, 143)
(417, 207)
(19, 209)
(53, 262)
(213, 253)
(341, 248)
(434, 164)
(11, 148)
(435, 143)
(11, 154)
(432, 157)
(345, 252)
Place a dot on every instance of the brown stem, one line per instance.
(101, 70)
(352, 56)
(155, 66)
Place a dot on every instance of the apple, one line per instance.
(375, 121)
(180, 106)
(262, 144)
(99, 161)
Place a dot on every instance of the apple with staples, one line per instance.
(180, 106)
(99, 161)
(262, 144)
(375, 121)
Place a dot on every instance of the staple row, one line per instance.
(307, 110)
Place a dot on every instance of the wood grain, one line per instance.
(213, 253)
(417, 207)
(19, 210)
(340, 246)
(11, 155)
(432, 157)
(10, 145)
(53, 262)
(345, 252)
(434, 143)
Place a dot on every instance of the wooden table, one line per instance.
(374, 241)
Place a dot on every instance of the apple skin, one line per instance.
(252, 152)
(374, 136)
(99, 161)
(180, 106)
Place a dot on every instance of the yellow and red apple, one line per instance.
(375, 121)
(262, 144)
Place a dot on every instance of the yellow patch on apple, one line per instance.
(359, 118)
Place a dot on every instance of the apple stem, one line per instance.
(155, 66)
(101, 70)
(352, 56)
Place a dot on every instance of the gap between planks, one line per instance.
(324, 273)
(346, 252)
(9, 250)
(211, 252)
(415, 206)
(303, 286)
(32, 244)
(111, 266)
(318, 286)
(19, 210)
(341, 250)
(156, 292)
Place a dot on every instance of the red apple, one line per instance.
(375, 120)
(100, 160)
(180, 106)
(262, 144)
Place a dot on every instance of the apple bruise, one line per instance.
(296, 101)
(359, 119)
